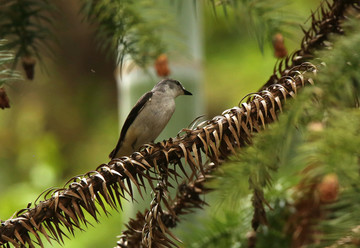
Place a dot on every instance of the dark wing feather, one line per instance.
(130, 119)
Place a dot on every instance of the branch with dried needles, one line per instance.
(111, 182)
(63, 209)
(315, 38)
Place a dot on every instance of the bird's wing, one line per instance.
(130, 119)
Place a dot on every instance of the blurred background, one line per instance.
(66, 121)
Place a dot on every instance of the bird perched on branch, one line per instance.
(148, 117)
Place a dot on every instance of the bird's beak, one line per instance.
(187, 92)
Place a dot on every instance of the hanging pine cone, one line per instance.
(162, 66)
(28, 63)
(4, 100)
(328, 188)
(279, 46)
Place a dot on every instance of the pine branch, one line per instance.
(262, 19)
(326, 21)
(25, 25)
(125, 30)
(325, 121)
(7, 57)
(111, 182)
(188, 197)
(217, 141)
(352, 239)
(258, 199)
(7, 75)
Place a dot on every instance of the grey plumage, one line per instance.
(148, 117)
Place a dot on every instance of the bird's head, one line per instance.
(171, 87)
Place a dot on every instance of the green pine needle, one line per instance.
(7, 58)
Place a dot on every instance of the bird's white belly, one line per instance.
(145, 128)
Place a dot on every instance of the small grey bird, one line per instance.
(148, 117)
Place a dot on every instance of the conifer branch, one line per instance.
(64, 208)
(111, 182)
(326, 21)
(7, 75)
(217, 140)
(262, 19)
(352, 239)
(25, 25)
(315, 38)
(188, 197)
(125, 30)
